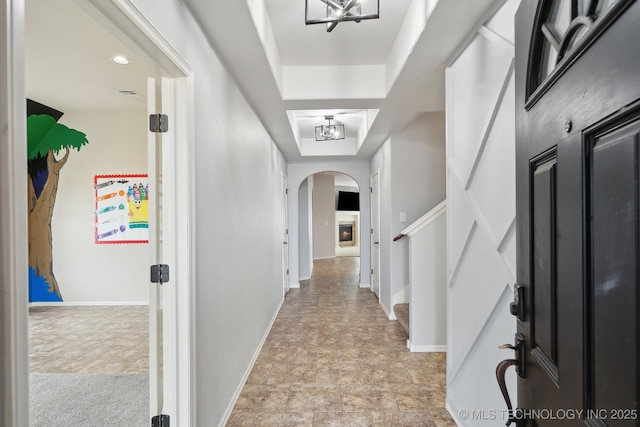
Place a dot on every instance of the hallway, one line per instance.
(333, 358)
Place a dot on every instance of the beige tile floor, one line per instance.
(89, 339)
(333, 358)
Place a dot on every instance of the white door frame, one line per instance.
(285, 233)
(375, 226)
(14, 353)
(125, 19)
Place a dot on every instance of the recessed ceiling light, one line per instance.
(119, 59)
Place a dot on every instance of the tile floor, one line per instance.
(89, 339)
(333, 358)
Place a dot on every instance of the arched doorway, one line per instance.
(329, 219)
(300, 206)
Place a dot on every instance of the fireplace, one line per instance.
(346, 233)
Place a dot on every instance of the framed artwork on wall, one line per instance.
(121, 208)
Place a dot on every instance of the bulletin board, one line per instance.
(121, 208)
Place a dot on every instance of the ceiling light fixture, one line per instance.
(332, 12)
(119, 59)
(329, 132)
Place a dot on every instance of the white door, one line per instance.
(285, 234)
(162, 316)
(375, 234)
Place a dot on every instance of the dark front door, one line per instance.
(578, 204)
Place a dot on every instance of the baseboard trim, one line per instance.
(295, 286)
(84, 303)
(324, 257)
(454, 412)
(426, 348)
(365, 285)
(236, 395)
(305, 278)
(390, 314)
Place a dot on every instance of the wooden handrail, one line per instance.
(398, 237)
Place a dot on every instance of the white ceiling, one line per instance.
(375, 76)
(350, 43)
(68, 61)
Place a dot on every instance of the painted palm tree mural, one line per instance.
(45, 138)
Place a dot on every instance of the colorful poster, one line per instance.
(121, 209)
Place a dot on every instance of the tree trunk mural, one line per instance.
(45, 137)
(40, 215)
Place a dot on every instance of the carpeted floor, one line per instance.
(89, 400)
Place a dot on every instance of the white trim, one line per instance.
(365, 285)
(295, 286)
(236, 395)
(14, 357)
(426, 219)
(454, 412)
(124, 19)
(489, 13)
(324, 257)
(426, 348)
(305, 278)
(87, 303)
(390, 314)
(284, 179)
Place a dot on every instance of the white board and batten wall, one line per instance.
(481, 217)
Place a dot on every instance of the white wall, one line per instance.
(87, 272)
(305, 220)
(359, 171)
(412, 180)
(324, 217)
(481, 216)
(238, 224)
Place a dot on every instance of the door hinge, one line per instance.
(371, 190)
(160, 273)
(160, 421)
(158, 123)
(287, 271)
(372, 271)
(286, 191)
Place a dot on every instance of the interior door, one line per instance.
(578, 206)
(375, 234)
(162, 296)
(285, 233)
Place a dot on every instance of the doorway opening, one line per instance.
(329, 215)
(128, 92)
(92, 332)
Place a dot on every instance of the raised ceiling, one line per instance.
(350, 43)
(375, 76)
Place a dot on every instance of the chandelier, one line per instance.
(329, 132)
(332, 12)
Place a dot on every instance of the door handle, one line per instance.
(376, 243)
(285, 243)
(501, 371)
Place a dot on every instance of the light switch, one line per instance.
(403, 217)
